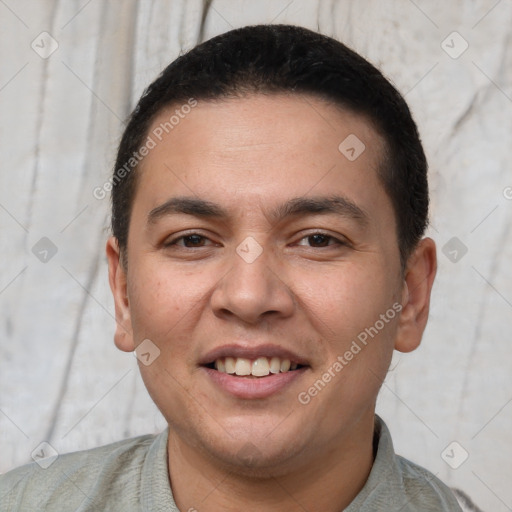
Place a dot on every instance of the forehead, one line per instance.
(261, 149)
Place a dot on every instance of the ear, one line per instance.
(419, 278)
(123, 336)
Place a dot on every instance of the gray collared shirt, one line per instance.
(132, 475)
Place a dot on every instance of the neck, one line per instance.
(328, 480)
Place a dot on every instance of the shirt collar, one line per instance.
(384, 487)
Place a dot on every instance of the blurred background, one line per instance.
(73, 70)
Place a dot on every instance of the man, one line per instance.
(269, 201)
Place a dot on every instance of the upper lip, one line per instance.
(252, 352)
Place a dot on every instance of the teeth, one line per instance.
(275, 365)
(260, 367)
(229, 365)
(243, 366)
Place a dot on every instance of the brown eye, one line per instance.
(319, 240)
(189, 241)
(193, 240)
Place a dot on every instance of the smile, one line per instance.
(259, 367)
(247, 371)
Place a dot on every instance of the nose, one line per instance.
(253, 290)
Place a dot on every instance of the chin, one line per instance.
(254, 456)
(249, 461)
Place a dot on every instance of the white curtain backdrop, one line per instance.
(70, 73)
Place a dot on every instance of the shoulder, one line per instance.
(397, 484)
(76, 479)
(424, 490)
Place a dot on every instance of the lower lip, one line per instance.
(253, 387)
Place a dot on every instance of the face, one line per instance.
(257, 247)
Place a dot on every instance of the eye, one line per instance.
(193, 240)
(319, 240)
(189, 241)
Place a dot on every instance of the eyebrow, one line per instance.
(187, 206)
(298, 206)
(337, 205)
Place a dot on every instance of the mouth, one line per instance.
(247, 372)
(262, 366)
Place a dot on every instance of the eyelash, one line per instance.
(182, 237)
(337, 242)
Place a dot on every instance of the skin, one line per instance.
(309, 295)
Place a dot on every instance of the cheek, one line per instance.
(348, 299)
(161, 298)
(356, 311)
